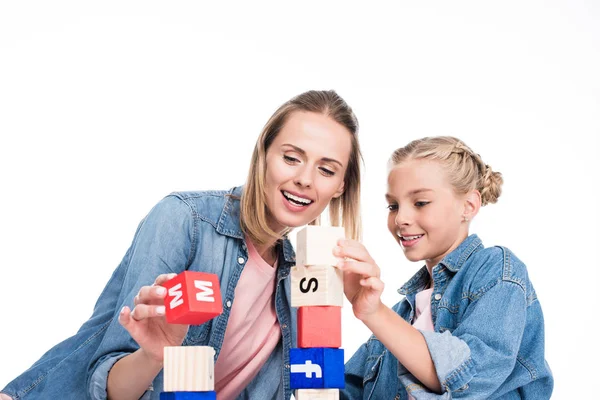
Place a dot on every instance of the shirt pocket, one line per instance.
(449, 316)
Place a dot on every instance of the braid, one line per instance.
(466, 169)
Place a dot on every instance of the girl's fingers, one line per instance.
(373, 283)
(143, 311)
(360, 268)
(352, 249)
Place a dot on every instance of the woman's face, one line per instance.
(306, 164)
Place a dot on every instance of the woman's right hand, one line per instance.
(147, 324)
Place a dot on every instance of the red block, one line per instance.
(320, 326)
(192, 298)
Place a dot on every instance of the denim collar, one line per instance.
(229, 223)
(453, 262)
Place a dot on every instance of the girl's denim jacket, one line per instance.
(488, 341)
(198, 231)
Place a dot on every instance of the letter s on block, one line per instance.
(310, 282)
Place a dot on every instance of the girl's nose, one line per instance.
(403, 217)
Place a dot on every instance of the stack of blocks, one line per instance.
(188, 374)
(317, 364)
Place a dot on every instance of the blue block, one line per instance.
(317, 368)
(188, 395)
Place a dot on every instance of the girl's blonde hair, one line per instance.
(465, 168)
(344, 209)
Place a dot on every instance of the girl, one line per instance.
(306, 158)
(470, 325)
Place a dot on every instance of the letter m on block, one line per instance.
(177, 295)
(192, 298)
(205, 293)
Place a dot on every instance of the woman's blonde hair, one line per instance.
(345, 209)
(464, 167)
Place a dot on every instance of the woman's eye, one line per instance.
(392, 207)
(289, 159)
(420, 204)
(327, 172)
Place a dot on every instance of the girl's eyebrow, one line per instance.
(301, 151)
(416, 191)
(389, 197)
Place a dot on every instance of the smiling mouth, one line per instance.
(296, 200)
(409, 238)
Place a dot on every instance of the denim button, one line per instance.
(437, 296)
(241, 260)
(287, 366)
(284, 326)
(228, 304)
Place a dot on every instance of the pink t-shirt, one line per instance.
(252, 331)
(423, 320)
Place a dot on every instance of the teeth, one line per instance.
(296, 198)
(410, 237)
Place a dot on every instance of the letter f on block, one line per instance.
(205, 293)
(308, 368)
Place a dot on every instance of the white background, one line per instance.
(107, 107)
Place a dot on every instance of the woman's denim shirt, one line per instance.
(197, 231)
(488, 338)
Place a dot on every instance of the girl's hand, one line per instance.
(362, 285)
(146, 323)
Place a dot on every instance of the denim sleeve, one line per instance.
(354, 374)
(475, 359)
(164, 243)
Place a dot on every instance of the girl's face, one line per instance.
(305, 168)
(426, 215)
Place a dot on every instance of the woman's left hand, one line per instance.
(362, 285)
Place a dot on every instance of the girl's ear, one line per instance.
(340, 191)
(472, 205)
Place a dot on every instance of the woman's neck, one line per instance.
(268, 252)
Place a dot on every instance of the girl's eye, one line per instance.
(289, 160)
(420, 204)
(392, 207)
(327, 172)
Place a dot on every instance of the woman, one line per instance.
(306, 158)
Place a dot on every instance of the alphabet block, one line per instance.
(188, 396)
(314, 245)
(192, 298)
(320, 326)
(316, 368)
(317, 394)
(189, 369)
(317, 285)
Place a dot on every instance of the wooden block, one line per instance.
(189, 369)
(188, 395)
(317, 394)
(192, 298)
(317, 285)
(316, 368)
(320, 326)
(314, 245)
